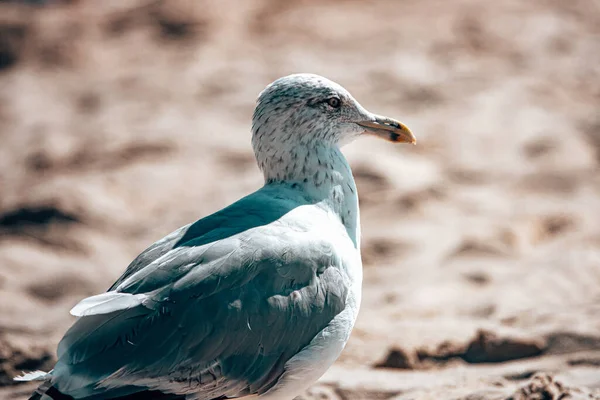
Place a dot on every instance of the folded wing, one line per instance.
(219, 318)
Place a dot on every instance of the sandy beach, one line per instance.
(121, 121)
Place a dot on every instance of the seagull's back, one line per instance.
(228, 306)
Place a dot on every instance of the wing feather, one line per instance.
(106, 303)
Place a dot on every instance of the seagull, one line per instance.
(255, 301)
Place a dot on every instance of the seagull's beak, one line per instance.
(388, 129)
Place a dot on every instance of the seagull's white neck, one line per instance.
(323, 174)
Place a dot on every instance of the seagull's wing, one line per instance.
(219, 318)
(153, 252)
(242, 215)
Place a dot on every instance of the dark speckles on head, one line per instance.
(294, 118)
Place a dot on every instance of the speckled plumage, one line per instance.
(294, 128)
(257, 299)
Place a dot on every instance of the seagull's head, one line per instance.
(308, 109)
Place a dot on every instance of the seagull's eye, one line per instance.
(334, 102)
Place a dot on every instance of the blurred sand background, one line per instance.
(123, 120)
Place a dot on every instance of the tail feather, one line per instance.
(48, 392)
(45, 390)
(32, 376)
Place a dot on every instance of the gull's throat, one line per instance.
(324, 176)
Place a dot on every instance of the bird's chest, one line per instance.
(344, 208)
